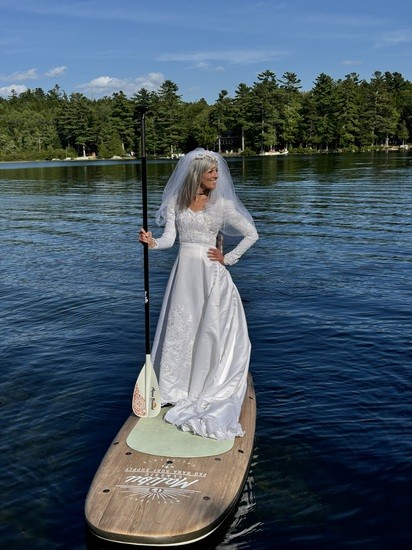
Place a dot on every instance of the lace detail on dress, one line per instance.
(177, 350)
(203, 226)
(198, 227)
(241, 224)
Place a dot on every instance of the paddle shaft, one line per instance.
(142, 110)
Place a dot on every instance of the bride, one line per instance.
(201, 348)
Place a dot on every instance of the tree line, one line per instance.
(348, 114)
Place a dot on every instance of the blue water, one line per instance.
(327, 292)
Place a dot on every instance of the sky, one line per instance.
(99, 47)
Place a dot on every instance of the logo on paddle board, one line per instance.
(161, 484)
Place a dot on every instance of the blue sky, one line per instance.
(98, 47)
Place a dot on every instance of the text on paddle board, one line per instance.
(152, 481)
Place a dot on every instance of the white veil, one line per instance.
(224, 189)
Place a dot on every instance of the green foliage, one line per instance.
(345, 115)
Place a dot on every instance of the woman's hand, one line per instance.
(146, 237)
(215, 255)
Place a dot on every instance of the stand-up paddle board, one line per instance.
(159, 486)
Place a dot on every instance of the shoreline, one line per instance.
(372, 149)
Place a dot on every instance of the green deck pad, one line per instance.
(157, 437)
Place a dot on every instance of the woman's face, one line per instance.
(209, 178)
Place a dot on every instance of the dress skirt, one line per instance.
(201, 348)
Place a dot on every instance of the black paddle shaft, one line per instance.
(142, 110)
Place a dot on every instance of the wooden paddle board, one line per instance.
(162, 499)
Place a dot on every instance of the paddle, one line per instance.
(146, 395)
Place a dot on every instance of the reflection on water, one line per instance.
(327, 294)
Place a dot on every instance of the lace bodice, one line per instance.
(202, 227)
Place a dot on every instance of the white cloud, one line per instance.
(346, 21)
(350, 62)
(106, 85)
(6, 91)
(93, 9)
(32, 74)
(234, 57)
(18, 76)
(56, 71)
(397, 37)
(150, 82)
(204, 66)
(103, 84)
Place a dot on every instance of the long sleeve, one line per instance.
(170, 232)
(250, 235)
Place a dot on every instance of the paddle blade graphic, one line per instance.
(146, 395)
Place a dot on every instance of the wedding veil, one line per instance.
(224, 188)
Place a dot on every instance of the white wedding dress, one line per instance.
(201, 348)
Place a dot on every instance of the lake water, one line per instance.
(328, 296)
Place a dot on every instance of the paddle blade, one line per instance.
(146, 400)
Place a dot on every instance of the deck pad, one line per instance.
(157, 437)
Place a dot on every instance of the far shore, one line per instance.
(372, 149)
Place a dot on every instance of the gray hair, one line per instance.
(191, 182)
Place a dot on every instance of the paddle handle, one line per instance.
(142, 111)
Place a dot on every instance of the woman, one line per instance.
(201, 347)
